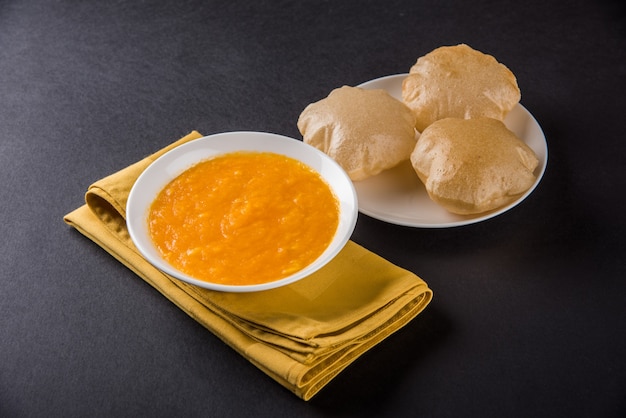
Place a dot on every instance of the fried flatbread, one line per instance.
(471, 166)
(459, 82)
(364, 131)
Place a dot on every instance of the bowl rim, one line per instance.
(175, 161)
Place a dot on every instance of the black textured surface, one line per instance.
(529, 308)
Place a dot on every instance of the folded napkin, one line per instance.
(302, 335)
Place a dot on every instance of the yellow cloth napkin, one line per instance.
(303, 334)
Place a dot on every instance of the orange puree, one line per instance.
(244, 218)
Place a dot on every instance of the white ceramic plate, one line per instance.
(174, 162)
(398, 196)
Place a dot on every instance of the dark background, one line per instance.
(529, 313)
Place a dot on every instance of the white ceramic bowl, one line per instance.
(174, 162)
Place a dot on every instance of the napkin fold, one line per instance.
(303, 334)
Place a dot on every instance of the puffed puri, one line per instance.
(459, 82)
(364, 131)
(471, 166)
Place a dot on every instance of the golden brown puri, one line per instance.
(471, 166)
(460, 82)
(364, 131)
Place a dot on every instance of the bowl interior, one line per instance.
(174, 162)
